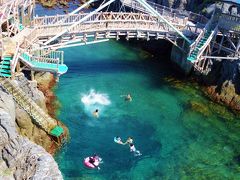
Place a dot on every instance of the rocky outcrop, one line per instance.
(173, 3)
(25, 124)
(222, 84)
(45, 83)
(19, 157)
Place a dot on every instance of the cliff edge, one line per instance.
(19, 157)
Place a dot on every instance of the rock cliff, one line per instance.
(222, 84)
(24, 123)
(192, 5)
(19, 157)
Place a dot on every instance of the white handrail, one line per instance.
(80, 21)
(207, 42)
(15, 59)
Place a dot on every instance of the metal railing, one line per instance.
(48, 56)
(15, 59)
(229, 22)
(100, 17)
(213, 33)
(32, 61)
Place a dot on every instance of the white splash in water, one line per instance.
(94, 98)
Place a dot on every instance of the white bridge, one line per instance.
(31, 43)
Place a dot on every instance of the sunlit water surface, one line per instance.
(180, 133)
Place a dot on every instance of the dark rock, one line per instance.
(21, 158)
(223, 83)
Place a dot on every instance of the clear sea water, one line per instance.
(180, 133)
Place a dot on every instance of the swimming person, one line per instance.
(95, 161)
(134, 150)
(129, 141)
(128, 97)
(95, 113)
(118, 140)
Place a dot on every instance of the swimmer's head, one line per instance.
(131, 145)
(96, 110)
(95, 155)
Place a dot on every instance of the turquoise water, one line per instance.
(180, 134)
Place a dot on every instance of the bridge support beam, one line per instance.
(179, 58)
(32, 76)
(238, 45)
(154, 12)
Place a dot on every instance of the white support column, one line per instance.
(238, 46)
(32, 75)
(154, 12)
(220, 47)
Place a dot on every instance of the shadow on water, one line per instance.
(155, 68)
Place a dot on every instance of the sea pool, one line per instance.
(180, 133)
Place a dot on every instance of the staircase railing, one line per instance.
(194, 44)
(40, 117)
(213, 33)
(31, 59)
(48, 56)
(15, 59)
(201, 34)
(28, 40)
(1, 43)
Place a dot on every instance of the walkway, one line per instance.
(41, 118)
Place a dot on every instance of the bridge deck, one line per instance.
(105, 23)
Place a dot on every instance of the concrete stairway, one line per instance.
(5, 69)
(40, 117)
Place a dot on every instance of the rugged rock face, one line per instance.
(223, 83)
(25, 124)
(180, 4)
(19, 157)
(45, 83)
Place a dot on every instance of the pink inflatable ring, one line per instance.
(90, 165)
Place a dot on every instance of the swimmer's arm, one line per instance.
(120, 142)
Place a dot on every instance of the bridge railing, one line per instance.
(104, 17)
(229, 22)
(54, 20)
(144, 23)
